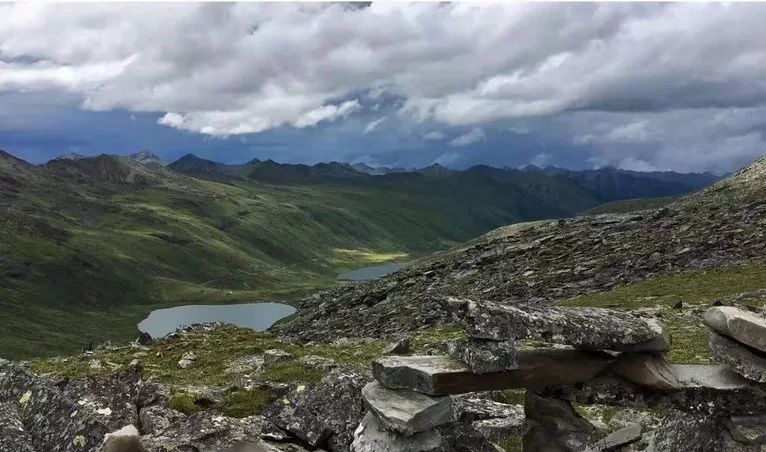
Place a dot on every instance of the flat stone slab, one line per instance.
(702, 388)
(405, 411)
(484, 356)
(441, 375)
(621, 437)
(738, 324)
(742, 359)
(583, 328)
(646, 369)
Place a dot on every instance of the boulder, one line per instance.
(187, 360)
(469, 409)
(372, 436)
(500, 428)
(483, 356)
(145, 339)
(552, 425)
(738, 324)
(615, 440)
(325, 414)
(646, 369)
(400, 347)
(697, 432)
(744, 360)
(13, 435)
(276, 356)
(407, 412)
(583, 328)
(126, 439)
(203, 431)
(440, 375)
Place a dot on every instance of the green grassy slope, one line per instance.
(88, 247)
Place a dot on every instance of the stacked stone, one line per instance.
(409, 407)
(738, 340)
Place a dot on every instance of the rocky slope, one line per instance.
(552, 261)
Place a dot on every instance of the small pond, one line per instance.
(258, 316)
(374, 272)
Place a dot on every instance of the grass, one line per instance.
(695, 291)
(215, 352)
(99, 255)
(243, 403)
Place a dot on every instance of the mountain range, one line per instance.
(91, 244)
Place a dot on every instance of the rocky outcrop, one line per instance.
(646, 369)
(583, 328)
(325, 414)
(536, 265)
(13, 434)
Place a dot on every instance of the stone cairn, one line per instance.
(598, 356)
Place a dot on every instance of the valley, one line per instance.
(91, 245)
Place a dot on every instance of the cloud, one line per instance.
(434, 136)
(372, 125)
(473, 136)
(227, 69)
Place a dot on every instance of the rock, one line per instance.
(738, 324)
(52, 419)
(702, 388)
(407, 412)
(583, 328)
(13, 435)
(554, 426)
(646, 369)
(325, 414)
(440, 375)
(497, 429)
(127, 439)
(615, 440)
(203, 431)
(742, 359)
(157, 419)
(747, 429)
(276, 356)
(145, 338)
(372, 436)
(400, 347)
(690, 432)
(187, 360)
(318, 362)
(469, 409)
(482, 356)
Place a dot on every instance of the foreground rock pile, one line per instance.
(599, 356)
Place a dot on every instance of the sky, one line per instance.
(638, 86)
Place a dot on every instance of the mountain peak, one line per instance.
(70, 156)
(746, 185)
(145, 157)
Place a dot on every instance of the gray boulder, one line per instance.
(484, 356)
(325, 414)
(440, 375)
(742, 359)
(13, 435)
(126, 439)
(372, 436)
(583, 328)
(738, 324)
(552, 425)
(407, 412)
(697, 432)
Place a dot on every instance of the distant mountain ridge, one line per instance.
(607, 184)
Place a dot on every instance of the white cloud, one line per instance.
(434, 135)
(372, 125)
(473, 136)
(227, 69)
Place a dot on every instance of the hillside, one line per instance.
(89, 246)
(718, 230)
